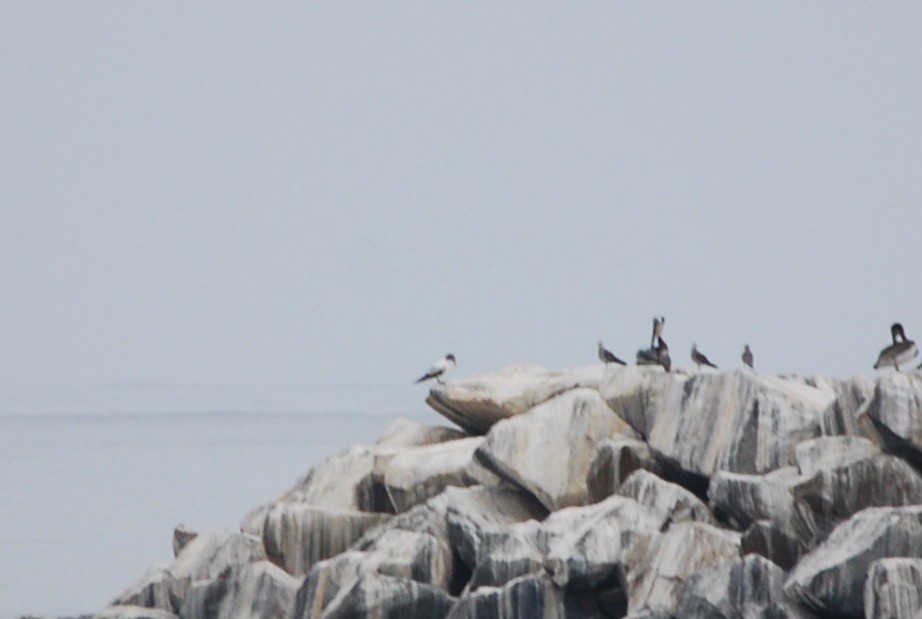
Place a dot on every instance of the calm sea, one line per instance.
(93, 479)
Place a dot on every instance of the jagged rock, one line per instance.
(403, 432)
(770, 541)
(655, 571)
(157, 588)
(843, 417)
(133, 612)
(830, 496)
(896, 411)
(474, 512)
(182, 535)
(750, 586)
(829, 452)
(297, 535)
(739, 421)
(677, 503)
(830, 579)
(893, 589)
(416, 474)
(478, 402)
(743, 499)
(416, 556)
(548, 450)
(576, 546)
(526, 597)
(256, 590)
(370, 595)
(614, 460)
(211, 552)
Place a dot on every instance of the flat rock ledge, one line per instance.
(593, 492)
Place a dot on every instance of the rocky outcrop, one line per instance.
(831, 578)
(548, 450)
(894, 589)
(677, 503)
(896, 411)
(418, 473)
(526, 597)
(478, 402)
(739, 422)
(750, 586)
(254, 591)
(744, 499)
(613, 461)
(768, 540)
(134, 612)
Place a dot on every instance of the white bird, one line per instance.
(439, 369)
(607, 356)
(899, 351)
(747, 356)
(699, 358)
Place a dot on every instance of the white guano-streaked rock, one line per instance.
(548, 450)
(478, 402)
(133, 612)
(527, 597)
(297, 535)
(831, 578)
(739, 421)
(254, 591)
(677, 503)
(157, 588)
(829, 452)
(750, 586)
(417, 474)
(655, 571)
(894, 589)
(896, 411)
(744, 499)
(614, 460)
(212, 552)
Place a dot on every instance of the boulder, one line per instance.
(133, 612)
(894, 589)
(844, 416)
(254, 591)
(416, 556)
(614, 460)
(478, 402)
(182, 535)
(297, 535)
(526, 597)
(741, 422)
(507, 554)
(749, 586)
(743, 499)
(655, 571)
(370, 595)
(157, 588)
(770, 541)
(896, 411)
(832, 495)
(417, 474)
(831, 578)
(548, 450)
(829, 452)
(212, 552)
(403, 432)
(677, 503)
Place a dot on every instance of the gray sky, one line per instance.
(343, 192)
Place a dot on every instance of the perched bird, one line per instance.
(659, 323)
(699, 358)
(647, 356)
(900, 351)
(747, 356)
(606, 356)
(662, 354)
(439, 369)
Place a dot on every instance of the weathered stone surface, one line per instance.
(254, 591)
(829, 452)
(614, 460)
(739, 421)
(507, 554)
(843, 417)
(211, 552)
(830, 496)
(677, 503)
(896, 411)
(548, 450)
(770, 541)
(478, 402)
(403, 432)
(894, 589)
(416, 556)
(474, 512)
(297, 535)
(157, 588)
(831, 578)
(743, 499)
(750, 586)
(182, 535)
(133, 612)
(370, 595)
(655, 571)
(417, 474)
(526, 597)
